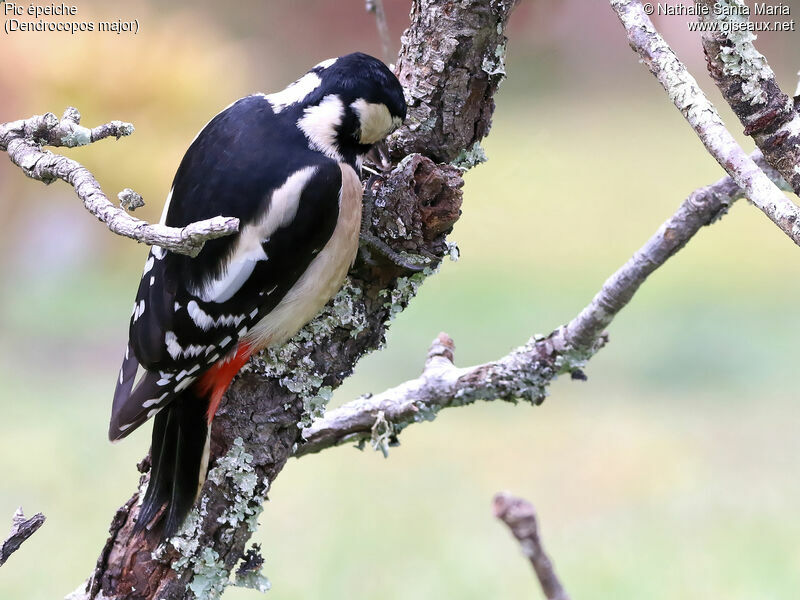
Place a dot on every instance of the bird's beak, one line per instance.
(379, 156)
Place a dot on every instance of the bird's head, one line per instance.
(346, 105)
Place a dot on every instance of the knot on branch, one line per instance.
(442, 349)
(414, 208)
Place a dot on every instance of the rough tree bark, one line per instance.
(751, 89)
(702, 115)
(450, 65)
(21, 530)
(451, 62)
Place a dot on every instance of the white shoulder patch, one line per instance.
(294, 92)
(248, 250)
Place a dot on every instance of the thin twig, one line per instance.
(520, 517)
(704, 119)
(23, 141)
(376, 7)
(21, 530)
(526, 372)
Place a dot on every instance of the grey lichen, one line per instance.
(253, 580)
(245, 491)
(78, 136)
(494, 63)
(123, 128)
(452, 251)
(209, 577)
(382, 434)
(470, 157)
(347, 310)
(404, 289)
(740, 57)
(301, 376)
(130, 200)
(245, 494)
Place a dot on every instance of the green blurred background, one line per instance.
(673, 472)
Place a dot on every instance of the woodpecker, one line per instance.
(287, 165)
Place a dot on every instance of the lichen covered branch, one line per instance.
(21, 530)
(704, 119)
(24, 140)
(410, 207)
(520, 517)
(376, 7)
(751, 89)
(527, 372)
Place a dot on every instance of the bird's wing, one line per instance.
(190, 312)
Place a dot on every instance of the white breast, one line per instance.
(324, 276)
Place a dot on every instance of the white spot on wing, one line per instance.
(173, 347)
(193, 350)
(226, 341)
(184, 384)
(148, 265)
(159, 252)
(254, 313)
(205, 321)
(149, 403)
(138, 310)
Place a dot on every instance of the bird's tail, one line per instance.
(179, 456)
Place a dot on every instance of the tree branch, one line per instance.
(704, 119)
(410, 209)
(23, 141)
(376, 7)
(520, 517)
(21, 530)
(750, 87)
(527, 372)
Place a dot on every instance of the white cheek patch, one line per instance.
(376, 121)
(320, 123)
(294, 93)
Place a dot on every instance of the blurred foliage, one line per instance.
(673, 472)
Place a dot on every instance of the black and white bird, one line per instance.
(287, 165)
